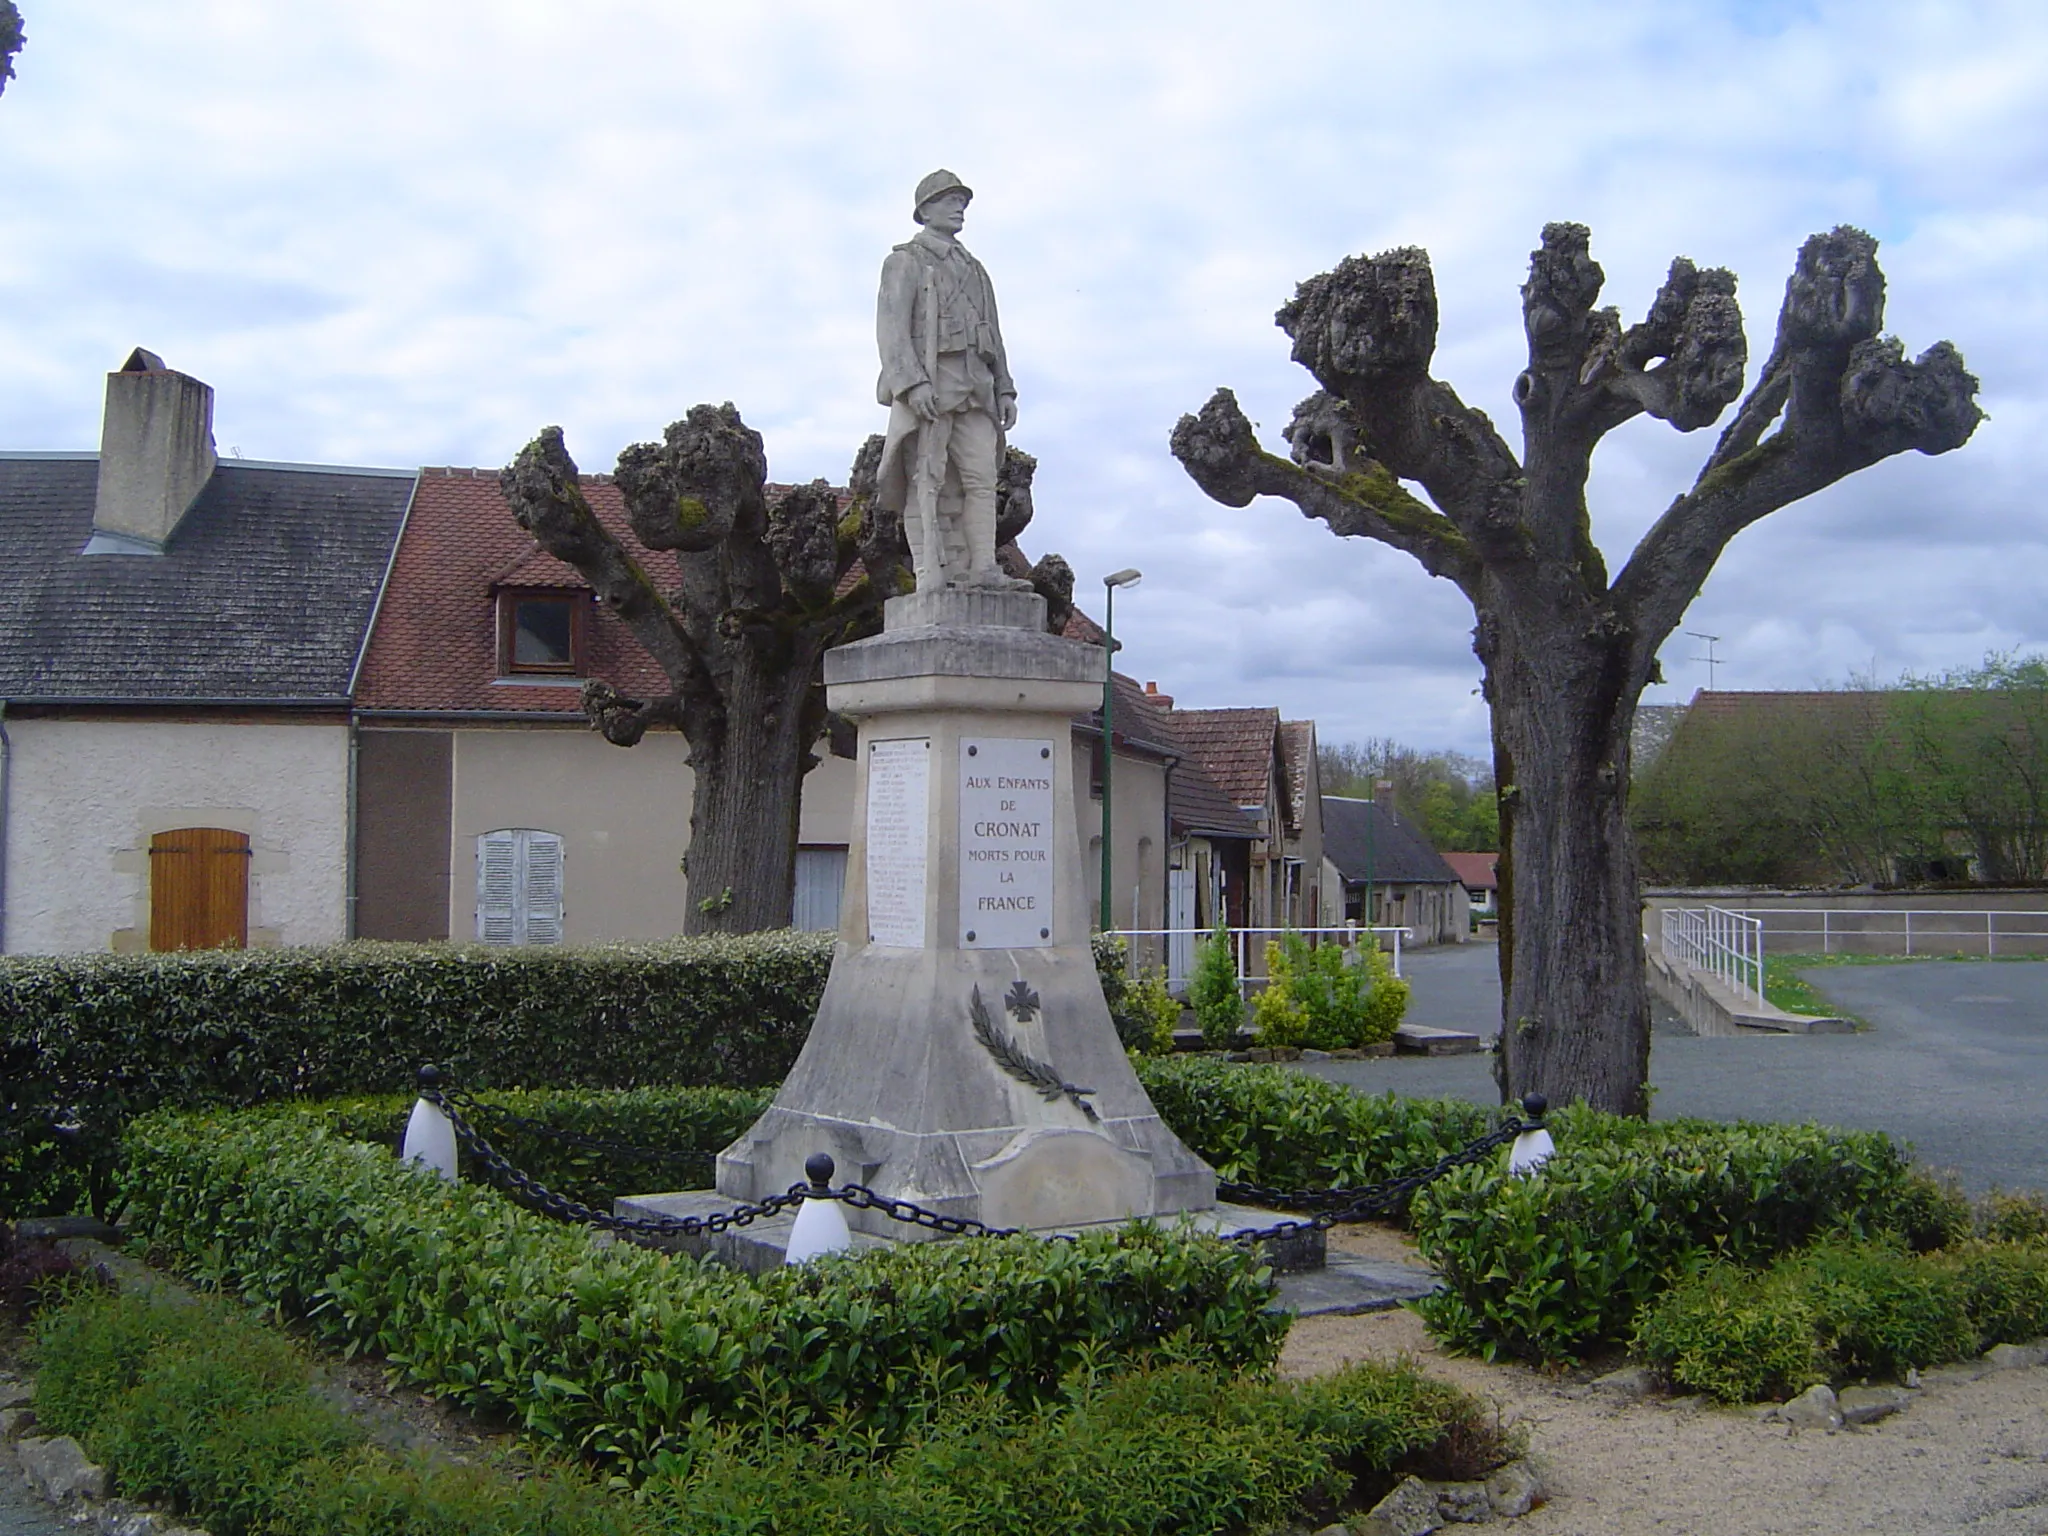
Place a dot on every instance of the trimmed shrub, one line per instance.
(1328, 997)
(1163, 1448)
(1155, 1014)
(615, 1350)
(1730, 1334)
(1932, 1211)
(1213, 991)
(1551, 1266)
(674, 1134)
(1877, 1310)
(1287, 1129)
(88, 1041)
(2014, 1216)
(2005, 1290)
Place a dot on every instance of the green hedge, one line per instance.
(1552, 1266)
(1286, 1129)
(202, 1407)
(108, 1037)
(684, 1129)
(1839, 1311)
(615, 1350)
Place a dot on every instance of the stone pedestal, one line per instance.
(963, 1056)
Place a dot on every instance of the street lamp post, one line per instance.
(1125, 578)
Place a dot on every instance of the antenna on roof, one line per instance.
(1709, 658)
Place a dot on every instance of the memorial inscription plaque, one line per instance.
(1006, 819)
(899, 794)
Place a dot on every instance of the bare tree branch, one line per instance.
(1219, 450)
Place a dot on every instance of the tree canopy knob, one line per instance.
(818, 1168)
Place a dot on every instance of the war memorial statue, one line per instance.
(946, 381)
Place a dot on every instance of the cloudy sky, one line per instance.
(407, 233)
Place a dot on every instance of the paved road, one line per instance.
(1955, 1062)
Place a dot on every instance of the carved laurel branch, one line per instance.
(1026, 1069)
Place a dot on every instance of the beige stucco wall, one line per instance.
(86, 796)
(623, 814)
(1137, 822)
(826, 815)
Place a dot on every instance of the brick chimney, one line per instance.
(156, 455)
(1154, 696)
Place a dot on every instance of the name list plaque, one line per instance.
(899, 814)
(1005, 843)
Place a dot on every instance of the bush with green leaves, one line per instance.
(2005, 1289)
(1213, 991)
(1728, 1333)
(1878, 1310)
(614, 1350)
(1169, 1447)
(627, 1142)
(87, 1041)
(1556, 1264)
(1328, 997)
(2014, 1216)
(1284, 1128)
(1154, 1014)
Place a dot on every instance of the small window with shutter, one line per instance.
(519, 887)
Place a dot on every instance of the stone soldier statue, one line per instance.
(947, 384)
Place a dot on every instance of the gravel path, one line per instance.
(1969, 1458)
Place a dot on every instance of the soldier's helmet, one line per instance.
(935, 184)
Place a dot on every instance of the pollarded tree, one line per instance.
(762, 587)
(1566, 652)
(11, 39)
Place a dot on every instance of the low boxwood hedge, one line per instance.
(1552, 1266)
(89, 1041)
(205, 1408)
(615, 1350)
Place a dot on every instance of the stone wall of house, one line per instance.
(86, 796)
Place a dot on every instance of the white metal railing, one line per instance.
(1892, 930)
(1726, 945)
(1241, 938)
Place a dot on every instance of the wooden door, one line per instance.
(199, 889)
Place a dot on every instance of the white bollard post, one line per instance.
(820, 1226)
(1531, 1149)
(430, 1134)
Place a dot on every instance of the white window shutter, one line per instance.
(497, 888)
(541, 886)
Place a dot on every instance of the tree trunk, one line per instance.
(1576, 1014)
(749, 769)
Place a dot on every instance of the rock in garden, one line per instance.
(2016, 1357)
(15, 1422)
(1514, 1490)
(1815, 1408)
(16, 1394)
(1410, 1510)
(1866, 1405)
(1463, 1503)
(57, 1469)
(1631, 1384)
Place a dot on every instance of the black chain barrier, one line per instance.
(1338, 1206)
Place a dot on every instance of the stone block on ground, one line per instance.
(2016, 1357)
(1410, 1510)
(1463, 1503)
(1815, 1408)
(14, 1423)
(16, 1394)
(57, 1469)
(1866, 1405)
(1514, 1490)
(1426, 1040)
(1630, 1384)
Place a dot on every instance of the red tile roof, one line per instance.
(1475, 869)
(1235, 746)
(435, 647)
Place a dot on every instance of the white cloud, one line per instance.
(395, 233)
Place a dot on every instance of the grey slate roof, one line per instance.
(1368, 841)
(264, 592)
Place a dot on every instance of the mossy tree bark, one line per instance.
(762, 588)
(1566, 652)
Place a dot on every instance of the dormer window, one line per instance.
(541, 632)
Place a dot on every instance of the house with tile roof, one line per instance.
(1480, 874)
(1266, 769)
(490, 811)
(179, 640)
(1390, 875)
